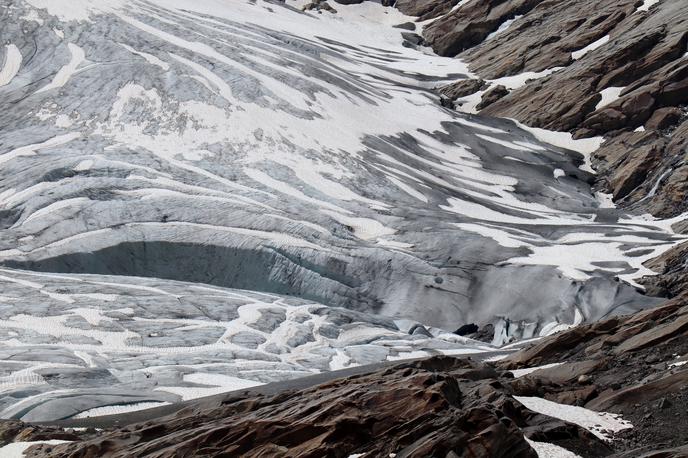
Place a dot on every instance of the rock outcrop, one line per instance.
(620, 72)
(442, 407)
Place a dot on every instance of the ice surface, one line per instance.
(12, 64)
(248, 191)
(545, 450)
(591, 47)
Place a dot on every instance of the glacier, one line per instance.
(241, 189)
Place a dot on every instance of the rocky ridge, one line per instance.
(634, 366)
(619, 70)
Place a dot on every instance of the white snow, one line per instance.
(118, 409)
(32, 15)
(517, 81)
(17, 449)
(30, 150)
(75, 10)
(469, 104)
(65, 73)
(647, 4)
(591, 47)
(609, 95)
(502, 28)
(585, 146)
(12, 64)
(151, 59)
(545, 450)
(522, 372)
(606, 200)
(595, 422)
(364, 228)
(339, 361)
(408, 189)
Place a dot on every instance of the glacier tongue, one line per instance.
(248, 145)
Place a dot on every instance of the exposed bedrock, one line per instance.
(616, 70)
(634, 365)
(471, 23)
(439, 407)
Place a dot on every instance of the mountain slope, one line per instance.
(296, 163)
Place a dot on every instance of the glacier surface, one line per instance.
(196, 196)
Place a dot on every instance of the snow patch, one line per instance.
(591, 47)
(609, 95)
(66, 72)
(597, 423)
(502, 28)
(523, 372)
(118, 409)
(585, 146)
(647, 4)
(545, 450)
(17, 449)
(517, 81)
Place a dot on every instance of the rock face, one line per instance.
(671, 280)
(443, 406)
(634, 365)
(471, 23)
(439, 407)
(425, 9)
(620, 73)
(493, 95)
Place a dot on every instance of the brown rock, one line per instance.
(491, 96)
(472, 23)
(573, 397)
(641, 393)
(438, 407)
(425, 9)
(664, 118)
(655, 335)
(570, 371)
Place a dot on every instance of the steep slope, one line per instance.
(612, 388)
(620, 72)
